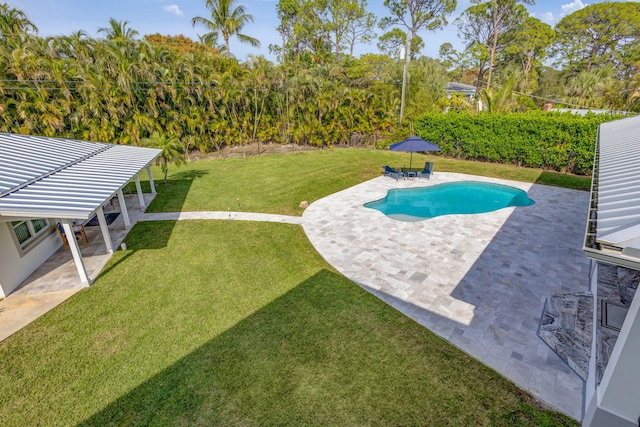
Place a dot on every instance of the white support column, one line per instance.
(75, 251)
(140, 195)
(153, 187)
(615, 402)
(591, 384)
(104, 228)
(123, 208)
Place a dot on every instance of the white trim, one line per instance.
(33, 234)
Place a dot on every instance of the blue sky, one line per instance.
(57, 17)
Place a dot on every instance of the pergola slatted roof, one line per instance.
(43, 177)
(619, 183)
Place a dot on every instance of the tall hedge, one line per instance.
(549, 140)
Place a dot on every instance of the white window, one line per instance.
(26, 231)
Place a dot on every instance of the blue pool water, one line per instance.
(415, 204)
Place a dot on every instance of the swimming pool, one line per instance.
(465, 197)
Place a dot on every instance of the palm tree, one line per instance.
(499, 100)
(118, 31)
(259, 68)
(14, 24)
(227, 20)
(172, 150)
(77, 45)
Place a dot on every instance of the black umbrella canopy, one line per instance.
(414, 143)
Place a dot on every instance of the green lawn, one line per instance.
(278, 183)
(243, 323)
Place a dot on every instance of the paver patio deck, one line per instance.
(480, 281)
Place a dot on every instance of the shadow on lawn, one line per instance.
(324, 353)
(170, 198)
(172, 195)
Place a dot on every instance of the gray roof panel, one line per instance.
(619, 181)
(43, 177)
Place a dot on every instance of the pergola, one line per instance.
(65, 179)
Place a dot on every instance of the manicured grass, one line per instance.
(277, 183)
(224, 323)
(241, 323)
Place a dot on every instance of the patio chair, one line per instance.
(392, 173)
(78, 231)
(427, 171)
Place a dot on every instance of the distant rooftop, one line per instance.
(585, 111)
(461, 88)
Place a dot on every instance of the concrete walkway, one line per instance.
(243, 216)
(479, 281)
(17, 311)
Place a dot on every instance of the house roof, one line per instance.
(613, 229)
(585, 111)
(619, 181)
(42, 177)
(461, 88)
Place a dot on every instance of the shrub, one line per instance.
(563, 142)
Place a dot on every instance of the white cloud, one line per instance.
(547, 17)
(175, 9)
(569, 8)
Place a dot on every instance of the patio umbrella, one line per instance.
(414, 143)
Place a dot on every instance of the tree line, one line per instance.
(123, 87)
(595, 53)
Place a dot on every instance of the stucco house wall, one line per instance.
(16, 267)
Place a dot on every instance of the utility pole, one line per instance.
(404, 73)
